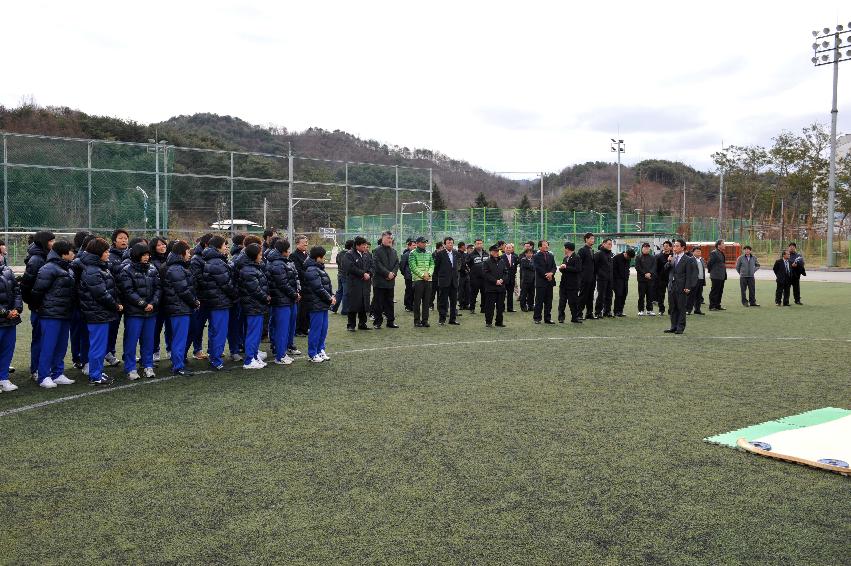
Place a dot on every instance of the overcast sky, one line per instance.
(505, 85)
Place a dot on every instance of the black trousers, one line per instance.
(543, 303)
(796, 288)
(748, 284)
(716, 293)
(569, 298)
(409, 294)
(477, 285)
(463, 292)
(586, 296)
(356, 317)
(604, 297)
(677, 310)
(782, 292)
(383, 300)
(302, 321)
(695, 298)
(509, 294)
(493, 301)
(447, 301)
(527, 296)
(659, 294)
(621, 289)
(646, 294)
(422, 300)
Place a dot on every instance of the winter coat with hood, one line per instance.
(139, 286)
(10, 297)
(217, 289)
(253, 288)
(282, 275)
(97, 291)
(36, 258)
(53, 292)
(178, 289)
(317, 292)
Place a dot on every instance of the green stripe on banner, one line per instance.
(803, 420)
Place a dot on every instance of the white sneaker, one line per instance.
(261, 355)
(236, 357)
(133, 375)
(651, 313)
(642, 313)
(34, 375)
(85, 369)
(261, 362)
(294, 352)
(325, 356)
(111, 360)
(317, 359)
(288, 360)
(156, 356)
(47, 383)
(149, 373)
(253, 365)
(285, 361)
(63, 380)
(6, 386)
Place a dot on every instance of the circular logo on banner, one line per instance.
(834, 462)
(761, 445)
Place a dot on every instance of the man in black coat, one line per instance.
(510, 258)
(463, 278)
(662, 275)
(527, 280)
(299, 256)
(360, 272)
(604, 270)
(475, 260)
(588, 278)
(342, 294)
(695, 298)
(568, 290)
(386, 262)
(682, 279)
(545, 280)
(405, 270)
(645, 269)
(448, 263)
(797, 265)
(717, 267)
(494, 274)
(783, 274)
(620, 279)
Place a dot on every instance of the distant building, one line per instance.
(238, 225)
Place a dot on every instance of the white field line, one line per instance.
(140, 383)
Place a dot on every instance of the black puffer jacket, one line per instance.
(116, 256)
(139, 285)
(282, 274)
(10, 297)
(98, 293)
(217, 290)
(253, 289)
(196, 266)
(36, 258)
(178, 289)
(317, 291)
(53, 294)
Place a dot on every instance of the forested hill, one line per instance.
(584, 186)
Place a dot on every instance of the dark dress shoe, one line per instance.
(364, 327)
(511, 310)
(549, 322)
(426, 325)
(392, 325)
(561, 321)
(754, 305)
(700, 313)
(798, 303)
(350, 328)
(500, 325)
(679, 331)
(670, 331)
(576, 320)
(454, 323)
(418, 325)
(488, 325)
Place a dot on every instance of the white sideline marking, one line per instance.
(41, 404)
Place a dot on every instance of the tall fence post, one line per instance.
(396, 192)
(5, 188)
(156, 187)
(346, 219)
(165, 190)
(290, 195)
(231, 195)
(89, 176)
(430, 203)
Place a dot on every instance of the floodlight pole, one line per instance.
(290, 196)
(822, 56)
(618, 146)
(156, 187)
(346, 220)
(542, 206)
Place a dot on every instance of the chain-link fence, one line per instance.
(68, 184)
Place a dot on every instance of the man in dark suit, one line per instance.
(604, 269)
(783, 274)
(386, 263)
(447, 274)
(406, 275)
(797, 265)
(568, 289)
(695, 298)
(360, 272)
(463, 277)
(545, 280)
(527, 280)
(475, 259)
(588, 277)
(510, 258)
(682, 279)
(717, 267)
(620, 279)
(662, 276)
(494, 275)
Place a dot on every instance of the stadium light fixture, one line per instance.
(829, 53)
(618, 146)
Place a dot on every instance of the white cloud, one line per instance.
(506, 85)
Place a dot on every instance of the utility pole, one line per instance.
(618, 146)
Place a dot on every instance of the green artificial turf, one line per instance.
(530, 444)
